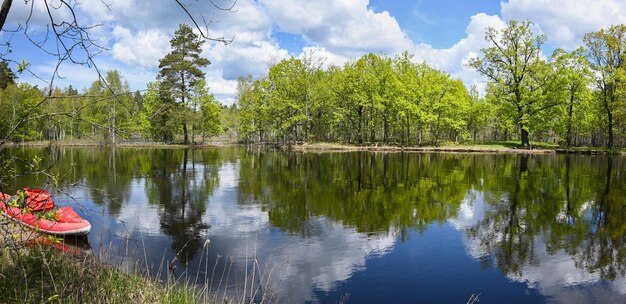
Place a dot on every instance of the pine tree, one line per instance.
(180, 69)
(7, 76)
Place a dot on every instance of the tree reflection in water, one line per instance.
(517, 211)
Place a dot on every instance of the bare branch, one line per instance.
(205, 33)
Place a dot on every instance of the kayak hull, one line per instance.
(70, 224)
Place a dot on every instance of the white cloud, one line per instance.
(301, 264)
(242, 59)
(138, 33)
(454, 59)
(555, 274)
(347, 28)
(20, 12)
(329, 59)
(565, 22)
(144, 48)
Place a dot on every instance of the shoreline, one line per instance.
(83, 276)
(503, 147)
(320, 148)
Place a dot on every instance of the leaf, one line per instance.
(53, 298)
(23, 66)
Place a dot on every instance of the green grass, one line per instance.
(515, 144)
(42, 275)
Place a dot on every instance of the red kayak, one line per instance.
(34, 208)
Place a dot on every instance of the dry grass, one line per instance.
(35, 268)
(490, 147)
(323, 147)
(38, 274)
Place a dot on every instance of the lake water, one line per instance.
(355, 227)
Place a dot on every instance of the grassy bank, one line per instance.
(490, 147)
(32, 271)
(487, 147)
(39, 274)
(122, 144)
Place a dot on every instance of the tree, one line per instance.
(514, 67)
(20, 120)
(155, 119)
(206, 110)
(111, 106)
(253, 102)
(7, 76)
(606, 50)
(573, 77)
(479, 114)
(180, 69)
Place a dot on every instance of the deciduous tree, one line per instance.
(606, 50)
(514, 67)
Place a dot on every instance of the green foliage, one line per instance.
(517, 74)
(572, 86)
(605, 51)
(180, 70)
(373, 99)
(20, 115)
(7, 76)
(207, 110)
(110, 108)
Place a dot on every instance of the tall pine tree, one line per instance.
(180, 69)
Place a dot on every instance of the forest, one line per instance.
(571, 98)
(177, 102)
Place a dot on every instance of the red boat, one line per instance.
(34, 208)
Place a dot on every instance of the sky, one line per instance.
(442, 33)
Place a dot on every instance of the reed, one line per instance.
(39, 273)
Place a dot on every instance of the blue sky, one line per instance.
(443, 33)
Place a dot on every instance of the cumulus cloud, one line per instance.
(556, 275)
(347, 28)
(565, 22)
(454, 59)
(242, 59)
(20, 12)
(328, 58)
(143, 48)
(138, 33)
(302, 264)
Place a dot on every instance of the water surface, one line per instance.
(359, 227)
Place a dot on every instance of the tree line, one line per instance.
(176, 105)
(570, 98)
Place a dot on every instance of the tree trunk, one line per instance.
(524, 137)
(568, 141)
(419, 134)
(610, 126)
(386, 130)
(186, 133)
(360, 111)
(372, 128)
(183, 92)
(607, 101)
(522, 129)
